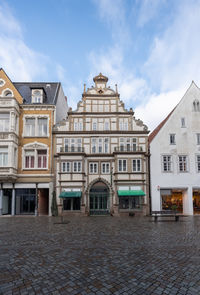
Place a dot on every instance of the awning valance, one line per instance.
(130, 193)
(70, 194)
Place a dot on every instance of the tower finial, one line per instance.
(116, 88)
(84, 88)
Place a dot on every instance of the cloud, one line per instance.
(158, 107)
(147, 10)
(174, 59)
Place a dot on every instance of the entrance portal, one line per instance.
(99, 199)
(196, 201)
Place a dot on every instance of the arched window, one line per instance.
(196, 105)
(7, 93)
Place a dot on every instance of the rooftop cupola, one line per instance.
(100, 81)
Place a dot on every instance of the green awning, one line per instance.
(131, 193)
(70, 195)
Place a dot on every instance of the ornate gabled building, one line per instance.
(28, 112)
(101, 156)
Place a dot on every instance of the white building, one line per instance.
(101, 158)
(175, 157)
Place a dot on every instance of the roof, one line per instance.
(50, 90)
(100, 78)
(157, 129)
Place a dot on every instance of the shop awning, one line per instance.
(130, 193)
(70, 195)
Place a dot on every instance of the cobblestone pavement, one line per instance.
(99, 255)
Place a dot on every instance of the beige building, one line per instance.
(28, 112)
(101, 156)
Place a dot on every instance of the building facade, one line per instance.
(101, 156)
(28, 112)
(175, 157)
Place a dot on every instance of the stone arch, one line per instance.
(99, 179)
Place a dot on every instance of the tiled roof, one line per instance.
(50, 91)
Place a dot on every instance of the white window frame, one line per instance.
(36, 126)
(66, 167)
(31, 147)
(37, 98)
(93, 168)
(105, 167)
(184, 162)
(5, 122)
(168, 161)
(77, 166)
(94, 126)
(138, 165)
(123, 168)
(4, 156)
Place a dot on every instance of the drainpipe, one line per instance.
(1, 199)
(36, 199)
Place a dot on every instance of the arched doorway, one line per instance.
(99, 199)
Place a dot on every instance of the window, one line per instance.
(42, 126)
(37, 96)
(7, 93)
(35, 159)
(134, 144)
(105, 168)
(77, 166)
(42, 158)
(78, 126)
(73, 145)
(183, 163)
(94, 126)
(128, 203)
(94, 145)
(196, 107)
(66, 167)
(30, 159)
(106, 145)
(71, 204)
(198, 138)
(107, 126)
(36, 126)
(198, 162)
(3, 156)
(123, 125)
(122, 165)
(4, 122)
(172, 139)
(100, 145)
(167, 163)
(2, 82)
(30, 126)
(182, 122)
(137, 165)
(93, 168)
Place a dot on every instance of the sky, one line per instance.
(149, 48)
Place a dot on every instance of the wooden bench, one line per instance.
(167, 213)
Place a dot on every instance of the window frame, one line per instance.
(137, 160)
(172, 139)
(183, 163)
(122, 165)
(167, 163)
(107, 171)
(78, 165)
(93, 170)
(4, 153)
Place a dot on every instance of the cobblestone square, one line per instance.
(99, 255)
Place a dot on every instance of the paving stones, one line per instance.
(99, 255)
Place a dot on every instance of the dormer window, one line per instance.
(37, 96)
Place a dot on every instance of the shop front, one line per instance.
(172, 199)
(196, 201)
(130, 200)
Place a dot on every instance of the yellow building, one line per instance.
(28, 112)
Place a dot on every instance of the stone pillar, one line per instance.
(13, 202)
(36, 200)
(1, 201)
(187, 201)
(50, 197)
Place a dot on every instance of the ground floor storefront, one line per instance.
(183, 200)
(101, 199)
(25, 199)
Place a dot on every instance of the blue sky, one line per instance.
(150, 48)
